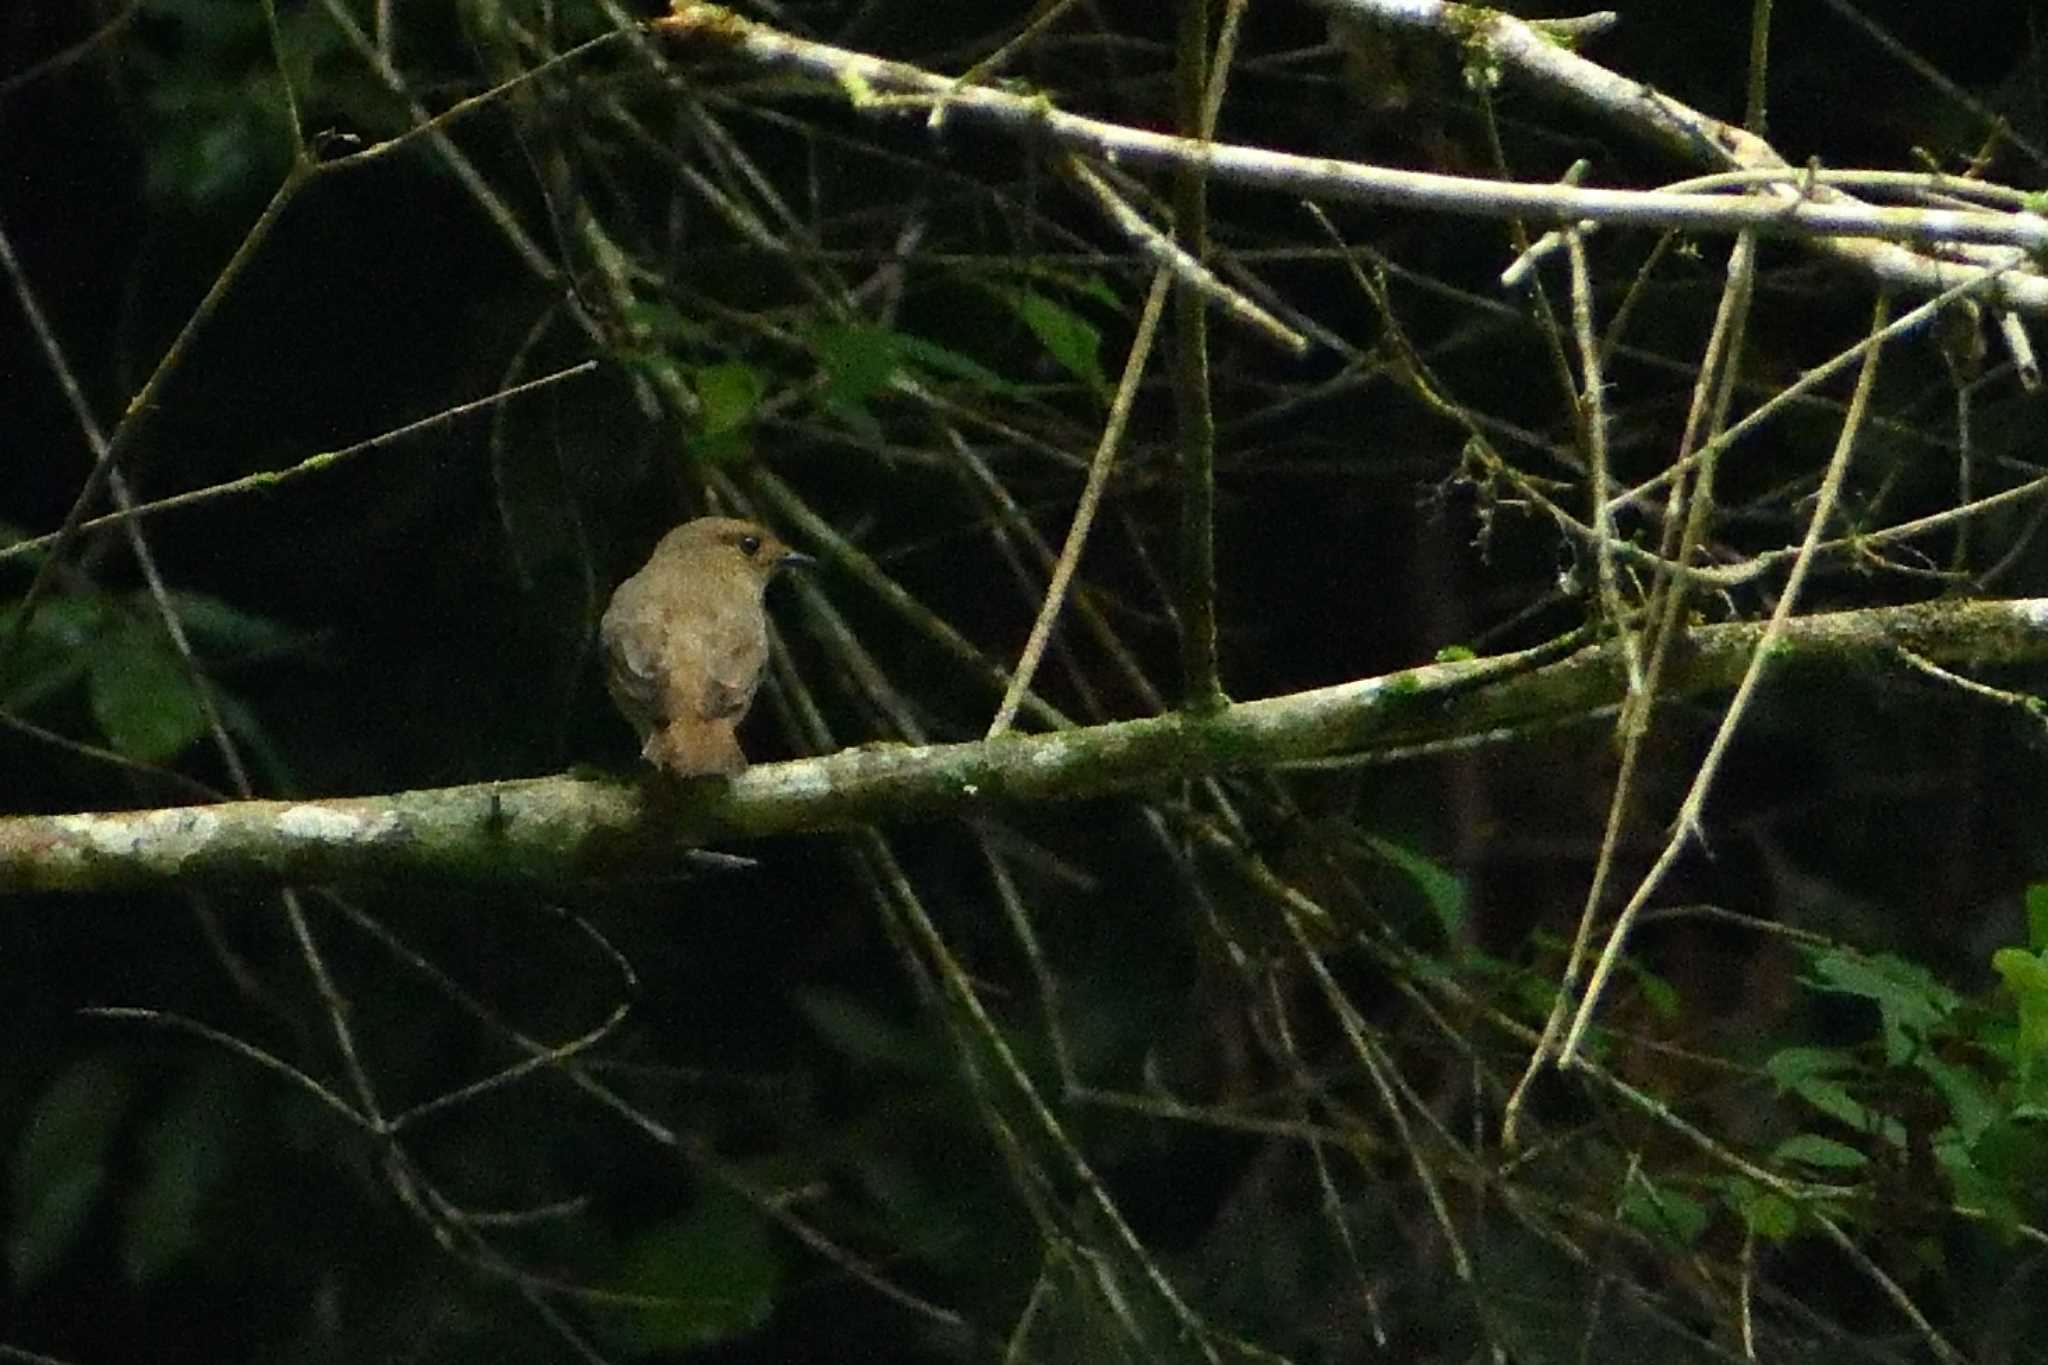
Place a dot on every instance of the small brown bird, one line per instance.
(686, 640)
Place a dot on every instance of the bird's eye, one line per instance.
(750, 546)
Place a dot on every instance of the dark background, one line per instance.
(421, 616)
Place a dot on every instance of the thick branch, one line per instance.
(559, 829)
(1793, 208)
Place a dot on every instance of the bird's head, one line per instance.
(728, 546)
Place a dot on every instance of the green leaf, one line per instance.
(706, 1277)
(184, 1160)
(142, 696)
(57, 651)
(211, 77)
(1769, 1215)
(943, 360)
(2037, 917)
(728, 396)
(1970, 1101)
(730, 393)
(2026, 977)
(660, 324)
(862, 1034)
(657, 366)
(242, 723)
(2011, 1156)
(1909, 1000)
(1665, 1214)
(1969, 1184)
(1070, 339)
(2023, 972)
(1814, 1150)
(220, 627)
(1660, 995)
(60, 1164)
(858, 362)
(1440, 888)
(1088, 285)
(1807, 1073)
(1791, 1066)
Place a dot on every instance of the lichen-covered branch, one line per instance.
(1796, 205)
(568, 829)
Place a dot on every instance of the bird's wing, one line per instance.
(633, 668)
(732, 673)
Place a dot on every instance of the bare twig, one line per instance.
(1687, 825)
(884, 85)
(1084, 509)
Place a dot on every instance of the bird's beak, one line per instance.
(797, 559)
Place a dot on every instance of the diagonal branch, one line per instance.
(1792, 207)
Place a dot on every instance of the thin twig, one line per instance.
(1835, 224)
(1593, 427)
(143, 404)
(270, 479)
(1167, 255)
(1085, 509)
(1687, 826)
(58, 61)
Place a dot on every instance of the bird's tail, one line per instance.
(696, 749)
